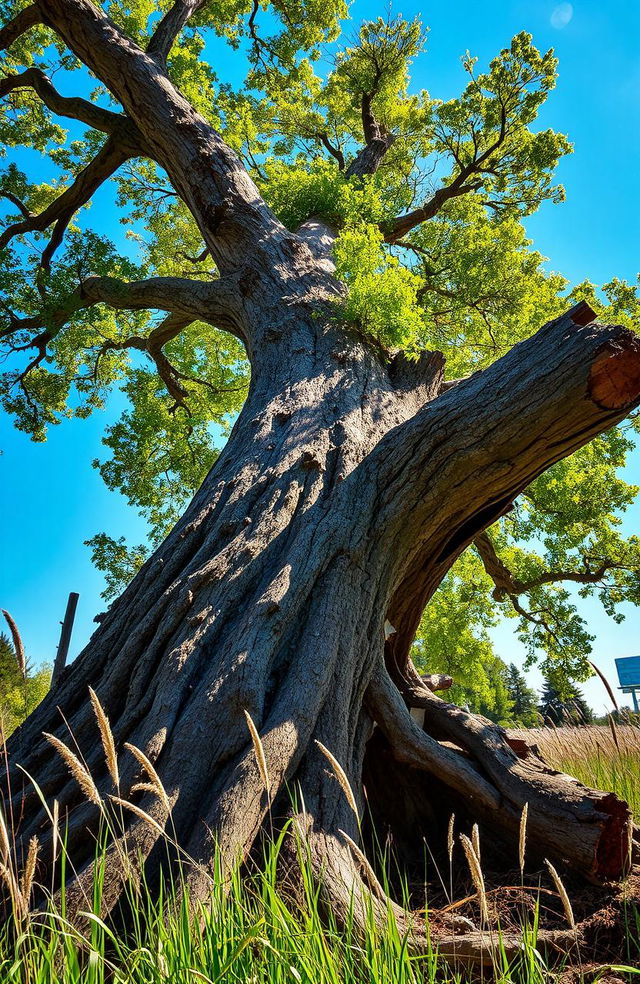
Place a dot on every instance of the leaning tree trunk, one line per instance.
(349, 486)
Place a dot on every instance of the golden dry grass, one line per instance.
(595, 755)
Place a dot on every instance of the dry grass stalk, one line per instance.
(258, 748)
(157, 786)
(522, 840)
(581, 742)
(562, 892)
(475, 840)
(614, 731)
(76, 768)
(29, 871)
(106, 735)
(361, 857)
(56, 830)
(477, 876)
(17, 643)
(341, 776)
(450, 842)
(5, 845)
(144, 787)
(139, 813)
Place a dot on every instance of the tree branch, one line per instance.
(334, 151)
(410, 744)
(70, 106)
(369, 159)
(153, 345)
(233, 219)
(21, 23)
(489, 772)
(112, 155)
(461, 185)
(546, 398)
(378, 141)
(19, 204)
(214, 302)
(169, 28)
(508, 586)
(370, 126)
(400, 226)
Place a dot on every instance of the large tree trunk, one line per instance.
(349, 486)
(347, 489)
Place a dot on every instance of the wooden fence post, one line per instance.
(65, 637)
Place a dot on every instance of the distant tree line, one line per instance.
(21, 687)
(501, 693)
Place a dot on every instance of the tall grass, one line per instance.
(249, 931)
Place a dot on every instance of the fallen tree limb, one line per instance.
(588, 830)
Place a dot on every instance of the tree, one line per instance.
(564, 707)
(21, 690)
(298, 258)
(523, 698)
(582, 711)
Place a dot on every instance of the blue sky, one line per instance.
(51, 498)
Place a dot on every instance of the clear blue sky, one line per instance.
(52, 499)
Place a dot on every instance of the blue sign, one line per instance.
(629, 671)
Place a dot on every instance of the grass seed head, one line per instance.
(148, 767)
(522, 840)
(258, 748)
(562, 892)
(142, 814)
(5, 845)
(56, 830)
(82, 775)
(18, 647)
(106, 735)
(477, 876)
(614, 731)
(450, 841)
(340, 775)
(475, 840)
(29, 871)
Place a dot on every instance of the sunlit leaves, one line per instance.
(382, 293)
(19, 694)
(453, 638)
(483, 288)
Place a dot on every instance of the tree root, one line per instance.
(353, 897)
(588, 830)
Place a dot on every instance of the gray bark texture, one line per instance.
(349, 486)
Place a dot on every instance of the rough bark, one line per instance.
(343, 489)
(349, 486)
